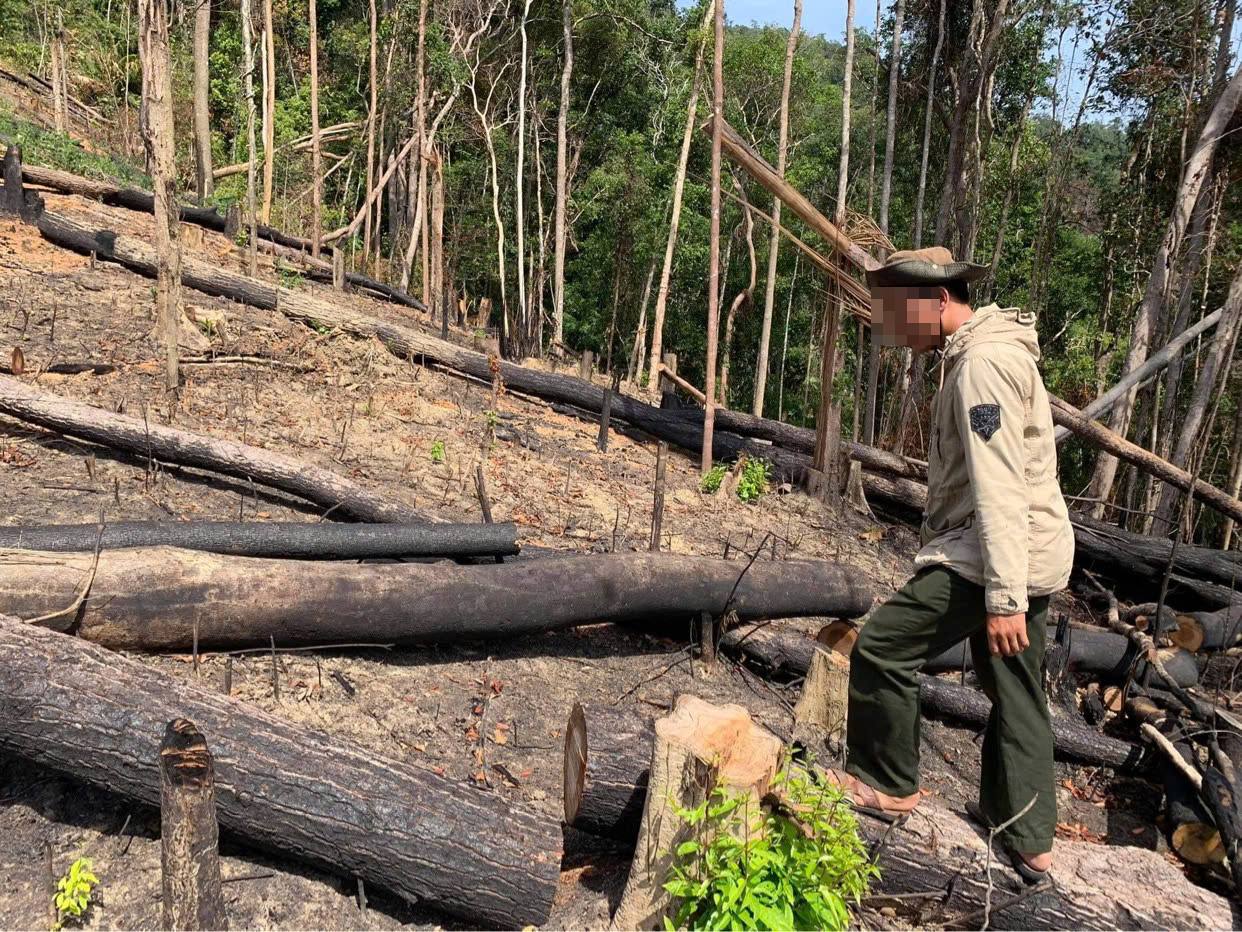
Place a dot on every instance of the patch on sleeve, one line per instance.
(985, 420)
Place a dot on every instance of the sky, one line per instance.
(826, 17)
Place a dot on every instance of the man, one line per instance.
(997, 543)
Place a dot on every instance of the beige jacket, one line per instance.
(994, 508)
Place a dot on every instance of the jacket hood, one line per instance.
(995, 324)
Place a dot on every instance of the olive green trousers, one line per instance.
(933, 612)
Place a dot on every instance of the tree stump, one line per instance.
(698, 747)
(607, 757)
(189, 835)
(819, 716)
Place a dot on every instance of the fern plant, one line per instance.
(800, 865)
(73, 892)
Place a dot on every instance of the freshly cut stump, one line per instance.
(606, 767)
(819, 716)
(698, 747)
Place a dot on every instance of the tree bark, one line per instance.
(774, 242)
(1197, 169)
(679, 187)
(269, 109)
(927, 121)
(153, 598)
(277, 539)
(160, 143)
(189, 834)
(252, 210)
(372, 116)
(713, 273)
(890, 137)
(607, 759)
(288, 789)
(562, 175)
(169, 445)
(60, 89)
(316, 146)
(202, 91)
(744, 298)
(847, 82)
(519, 190)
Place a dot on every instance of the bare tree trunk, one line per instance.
(269, 109)
(890, 138)
(713, 275)
(640, 332)
(1215, 370)
(418, 131)
(875, 99)
(60, 79)
(670, 248)
(160, 142)
(1197, 169)
(562, 179)
(486, 126)
(998, 247)
(437, 235)
(202, 91)
(520, 182)
(316, 146)
(744, 298)
(927, 122)
(774, 243)
(252, 210)
(372, 116)
(780, 393)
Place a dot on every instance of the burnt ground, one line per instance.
(347, 404)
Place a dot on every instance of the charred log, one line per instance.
(280, 786)
(607, 758)
(155, 598)
(276, 539)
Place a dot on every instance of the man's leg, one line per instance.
(935, 610)
(1017, 745)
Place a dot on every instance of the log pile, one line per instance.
(279, 786)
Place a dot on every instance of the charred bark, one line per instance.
(280, 786)
(155, 598)
(277, 539)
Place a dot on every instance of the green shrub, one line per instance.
(73, 891)
(710, 483)
(437, 452)
(754, 480)
(799, 866)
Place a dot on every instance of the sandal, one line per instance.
(866, 799)
(1024, 870)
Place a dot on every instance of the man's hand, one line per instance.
(1007, 635)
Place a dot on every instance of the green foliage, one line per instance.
(56, 150)
(710, 483)
(437, 452)
(800, 867)
(73, 891)
(290, 278)
(754, 480)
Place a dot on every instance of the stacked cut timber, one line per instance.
(99, 717)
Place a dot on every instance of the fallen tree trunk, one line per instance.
(277, 539)
(182, 448)
(284, 244)
(156, 598)
(787, 653)
(607, 758)
(936, 852)
(97, 716)
(1130, 559)
(1216, 630)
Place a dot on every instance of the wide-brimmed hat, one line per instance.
(934, 265)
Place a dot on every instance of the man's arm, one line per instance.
(991, 416)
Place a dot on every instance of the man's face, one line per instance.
(906, 316)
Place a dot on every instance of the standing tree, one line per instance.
(890, 135)
(252, 225)
(679, 187)
(562, 179)
(312, 18)
(60, 78)
(372, 116)
(774, 243)
(927, 123)
(202, 90)
(519, 185)
(713, 274)
(160, 142)
(269, 108)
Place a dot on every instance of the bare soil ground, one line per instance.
(490, 715)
